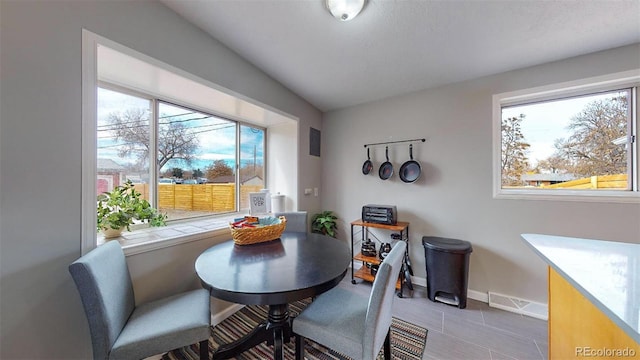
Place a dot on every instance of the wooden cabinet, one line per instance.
(364, 272)
(578, 329)
(593, 296)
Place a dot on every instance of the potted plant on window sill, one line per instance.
(325, 223)
(117, 209)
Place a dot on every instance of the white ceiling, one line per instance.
(396, 47)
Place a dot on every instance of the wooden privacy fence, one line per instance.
(200, 197)
(617, 181)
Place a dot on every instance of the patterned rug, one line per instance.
(407, 340)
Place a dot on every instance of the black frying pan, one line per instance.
(407, 262)
(368, 165)
(410, 170)
(407, 276)
(386, 169)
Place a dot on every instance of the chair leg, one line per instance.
(299, 347)
(204, 350)
(387, 346)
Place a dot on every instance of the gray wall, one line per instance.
(454, 196)
(40, 153)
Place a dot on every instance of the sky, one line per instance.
(547, 121)
(544, 123)
(216, 136)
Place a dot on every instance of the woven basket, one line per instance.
(247, 236)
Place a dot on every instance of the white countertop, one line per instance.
(605, 272)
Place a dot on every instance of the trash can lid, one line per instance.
(446, 245)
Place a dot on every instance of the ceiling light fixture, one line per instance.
(345, 10)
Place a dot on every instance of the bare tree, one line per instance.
(251, 170)
(514, 151)
(592, 148)
(554, 164)
(217, 169)
(175, 140)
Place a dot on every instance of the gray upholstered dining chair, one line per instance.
(120, 329)
(296, 220)
(349, 322)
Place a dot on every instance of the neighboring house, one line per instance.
(222, 179)
(539, 180)
(252, 180)
(246, 180)
(109, 175)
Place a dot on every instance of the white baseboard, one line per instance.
(502, 302)
(478, 295)
(471, 294)
(419, 281)
(519, 306)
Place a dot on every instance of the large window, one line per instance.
(203, 164)
(251, 160)
(574, 139)
(193, 148)
(120, 158)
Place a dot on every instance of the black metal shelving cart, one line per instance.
(364, 273)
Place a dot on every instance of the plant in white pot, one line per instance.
(117, 209)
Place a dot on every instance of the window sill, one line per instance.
(153, 238)
(568, 195)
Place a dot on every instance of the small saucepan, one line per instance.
(410, 170)
(368, 165)
(386, 169)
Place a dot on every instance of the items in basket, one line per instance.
(251, 230)
(247, 221)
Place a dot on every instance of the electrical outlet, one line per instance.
(307, 191)
(315, 192)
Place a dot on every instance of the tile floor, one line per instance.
(475, 333)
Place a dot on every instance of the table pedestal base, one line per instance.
(275, 331)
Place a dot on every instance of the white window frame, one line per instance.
(278, 122)
(154, 104)
(557, 91)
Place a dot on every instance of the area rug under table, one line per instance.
(407, 340)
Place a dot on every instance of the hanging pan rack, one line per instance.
(395, 142)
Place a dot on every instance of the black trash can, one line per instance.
(447, 262)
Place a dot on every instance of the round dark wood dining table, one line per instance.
(274, 273)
